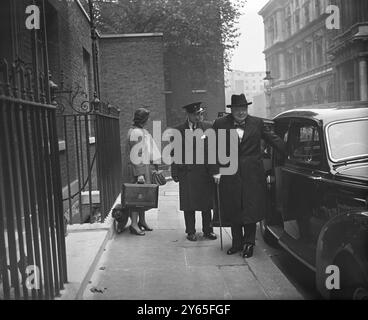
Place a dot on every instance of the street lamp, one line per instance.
(268, 91)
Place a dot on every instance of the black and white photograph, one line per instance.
(184, 157)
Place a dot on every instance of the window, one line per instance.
(318, 7)
(306, 12)
(305, 146)
(290, 65)
(319, 52)
(299, 61)
(308, 56)
(297, 19)
(288, 21)
(271, 31)
(347, 140)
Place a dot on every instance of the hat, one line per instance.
(239, 101)
(194, 107)
(141, 115)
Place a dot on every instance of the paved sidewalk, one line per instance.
(163, 265)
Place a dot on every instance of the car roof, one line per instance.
(328, 113)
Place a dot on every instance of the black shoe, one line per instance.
(248, 250)
(232, 251)
(137, 233)
(144, 228)
(210, 236)
(191, 237)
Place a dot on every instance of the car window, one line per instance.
(348, 140)
(304, 144)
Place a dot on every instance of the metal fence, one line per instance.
(32, 241)
(91, 159)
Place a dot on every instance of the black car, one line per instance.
(319, 194)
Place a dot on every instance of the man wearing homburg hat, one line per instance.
(243, 194)
(196, 183)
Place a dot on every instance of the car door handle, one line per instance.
(315, 178)
(271, 179)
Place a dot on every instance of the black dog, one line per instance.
(121, 216)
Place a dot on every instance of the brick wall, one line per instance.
(131, 76)
(69, 36)
(179, 88)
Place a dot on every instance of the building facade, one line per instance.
(348, 51)
(311, 63)
(296, 53)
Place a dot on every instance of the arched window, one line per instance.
(308, 97)
(330, 93)
(320, 95)
(271, 31)
(298, 98)
(288, 21)
(290, 100)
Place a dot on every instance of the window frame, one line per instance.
(328, 145)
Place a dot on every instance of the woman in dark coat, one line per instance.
(243, 195)
(140, 173)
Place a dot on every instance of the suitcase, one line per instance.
(142, 196)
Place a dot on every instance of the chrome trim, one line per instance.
(328, 139)
(317, 178)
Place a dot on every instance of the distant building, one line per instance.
(259, 106)
(249, 83)
(311, 64)
(296, 45)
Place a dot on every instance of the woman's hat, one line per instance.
(239, 101)
(141, 115)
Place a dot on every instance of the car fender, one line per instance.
(346, 233)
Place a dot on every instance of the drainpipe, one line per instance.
(94, 50)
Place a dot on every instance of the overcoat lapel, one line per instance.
(248, 129)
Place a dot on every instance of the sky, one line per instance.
(249, 54)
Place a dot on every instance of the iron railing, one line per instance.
(32, 242)
(92, 156)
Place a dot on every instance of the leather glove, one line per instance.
(141, 180)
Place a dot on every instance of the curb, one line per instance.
(75, 290)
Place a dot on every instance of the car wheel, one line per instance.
(352, 283)
(267, 236)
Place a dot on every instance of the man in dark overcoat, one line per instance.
(196, 183)
(243, 195)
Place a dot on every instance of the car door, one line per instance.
(300, 179)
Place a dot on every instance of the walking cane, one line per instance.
(219, 210)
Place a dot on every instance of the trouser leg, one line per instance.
(189, 217)
(250, 233)
(206, 222)
(237, 235)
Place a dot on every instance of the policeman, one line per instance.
(196, 183)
